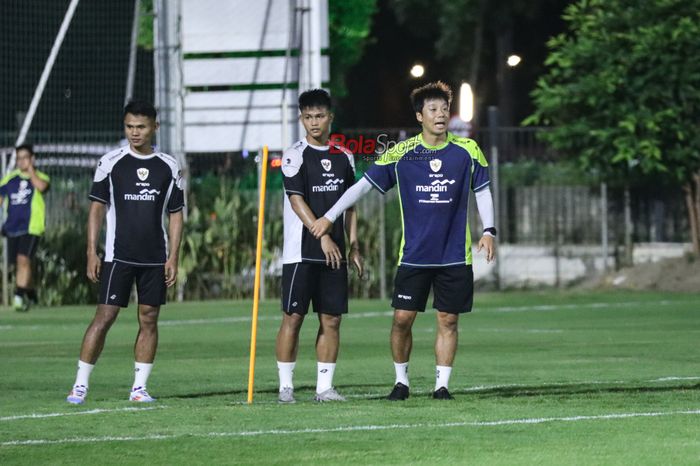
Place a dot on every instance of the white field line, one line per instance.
(475, 388)
(520, 330)
(75, 413)
(223, 320)
(666, 379)
(20, 344)
(219, 320)
(362, 428)
(478, 388)
(362, 315)
(557, 307)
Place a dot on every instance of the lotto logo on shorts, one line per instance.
(403, 296)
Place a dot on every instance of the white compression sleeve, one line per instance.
(484, 203)
(349, 199)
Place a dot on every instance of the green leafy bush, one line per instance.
(60, 268)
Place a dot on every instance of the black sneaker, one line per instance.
(400, 392)
(442, 394)
(32, 297)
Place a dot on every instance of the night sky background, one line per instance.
(379, 85)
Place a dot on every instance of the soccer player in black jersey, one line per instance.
(316, 173)
(134, 186)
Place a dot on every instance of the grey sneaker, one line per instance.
(286, 395)
(329, 395)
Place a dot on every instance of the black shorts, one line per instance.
(319, 284)
(117, 278)
(24, 244)
(453, 288)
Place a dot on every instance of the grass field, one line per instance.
(540, 378)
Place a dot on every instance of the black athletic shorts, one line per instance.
(304, 283)
(24, 244)
(453, 288)
(117, 278)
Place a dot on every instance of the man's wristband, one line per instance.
(490, 231)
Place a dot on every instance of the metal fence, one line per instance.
(540, 204)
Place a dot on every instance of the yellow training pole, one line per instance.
(258, 260)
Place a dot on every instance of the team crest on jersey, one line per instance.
(435, 165)
(23, 184)
(326, 164)
(142, 173)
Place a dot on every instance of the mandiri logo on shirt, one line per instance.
(330, 186)
(435, 188)
(143, 195)
(21, 197)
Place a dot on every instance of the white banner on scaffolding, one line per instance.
(238, 56)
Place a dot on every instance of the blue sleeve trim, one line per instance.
(479, 188)
(374, 184)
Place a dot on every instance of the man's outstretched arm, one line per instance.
(323, 225)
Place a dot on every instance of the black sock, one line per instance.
(31, 294)
(21, 292)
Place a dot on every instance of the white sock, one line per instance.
(84, 371)
(442, 376)
(286, 373)
(141, 372)
(401, 369)
(324, 376)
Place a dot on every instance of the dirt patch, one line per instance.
(679, 274)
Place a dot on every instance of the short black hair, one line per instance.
(436, 90)
(140, 107)
(28, 147)
(314, 98)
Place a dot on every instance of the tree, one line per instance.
(349, 24)
(622, 92)
(145, 38)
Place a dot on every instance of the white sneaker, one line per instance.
(140, 395)
(329, 395)
(77, 395)
(19, 304)
(286, 395)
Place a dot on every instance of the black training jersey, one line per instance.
(320, 174)
(138, 190)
